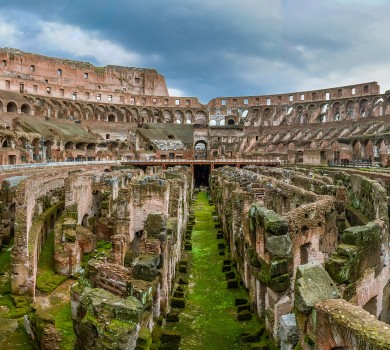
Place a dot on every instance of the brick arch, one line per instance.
(167, 116)
(178, 116)
(134, 115)
(189, 116)
(25, 109)
(12, 107)
(200, 117)
(111, 118)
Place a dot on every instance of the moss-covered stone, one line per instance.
(356, 253)
(312, 285)
(273, 223)
(232, 283)
(178, 302)
(278, 246)
(362, 236)
(269, 275)
(244, 316)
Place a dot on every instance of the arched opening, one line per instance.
(200, 118)
(363, 107)
(47, 146)
(299, 158)
(231, 122)
(12, 108)
(69, 145)
(372, 306)
(91, 147)
(305, 250)
(84, 222)
(111, 118)
(6, 143)
(200, 149)
(25, 109)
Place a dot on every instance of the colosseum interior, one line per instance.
(131, 219)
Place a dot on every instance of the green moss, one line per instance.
(362, 236)
(103, 248)
(16, 339)
(210, 321)
(309, 341)
(355, 254)
(47, 279)
(274, 275)
(63, 322)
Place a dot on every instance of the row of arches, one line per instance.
(68, 109)
(14, 107)
(318, 112)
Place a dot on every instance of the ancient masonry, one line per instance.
(91, 247)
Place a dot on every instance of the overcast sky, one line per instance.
(210, 48)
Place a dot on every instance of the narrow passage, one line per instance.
(209, 320)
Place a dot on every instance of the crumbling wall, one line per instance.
(339, 324)
(140, 270)
(278, 221)
(38, 203)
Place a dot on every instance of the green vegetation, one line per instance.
(10, 307)
(47, 279)
(103, 248)
(12, 333)
(64, 323)
(209, 320)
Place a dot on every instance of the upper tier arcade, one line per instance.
(37, 74)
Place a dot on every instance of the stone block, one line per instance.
(173, 316)
(183, 269)
(155, 223)
(278, 246)
(288, 331)
(232, 284)
(69, 224)
(144, 338)
(240, 301)
(243, 307)
(230, 275)
(226, 268)
(362, 236)
(183, 280)
(244, 316)
(145, 267)
(178, 294)
(178, 302)
(250, 337)
(170, 337)
(312, 285)
(70, 235)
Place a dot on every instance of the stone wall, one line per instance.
(280, 222)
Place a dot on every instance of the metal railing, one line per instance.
(55, 164)
(200, 161)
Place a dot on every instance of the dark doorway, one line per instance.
(201, 175)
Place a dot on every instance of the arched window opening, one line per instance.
(12, 108)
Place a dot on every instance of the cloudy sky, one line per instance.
(210, 48)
